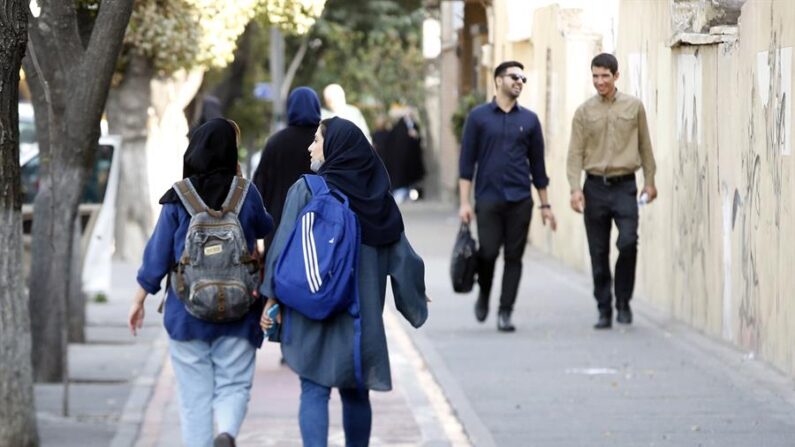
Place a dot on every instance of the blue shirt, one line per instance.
(508, 150)
(163, 251)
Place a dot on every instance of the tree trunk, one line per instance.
(17, 412)
(76, 303)
(128, 116)
(54, 215)
(73, 82)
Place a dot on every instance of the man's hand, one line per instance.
(465, 212)
(577, 201)
(650, 191)
(548, 216)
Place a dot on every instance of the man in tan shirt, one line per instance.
(610, 141)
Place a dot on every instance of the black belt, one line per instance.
(613, 179)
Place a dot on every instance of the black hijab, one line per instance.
(353, 167)
(210, 162)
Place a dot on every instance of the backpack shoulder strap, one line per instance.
(317, 184)
(189, 197)
(236, 197)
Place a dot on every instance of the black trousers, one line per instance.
(604, 204)
(502, 224)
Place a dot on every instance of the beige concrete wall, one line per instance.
(715, 250)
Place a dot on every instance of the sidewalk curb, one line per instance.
(479, 435)
(134, 411)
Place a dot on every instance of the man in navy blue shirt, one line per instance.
(503, 149)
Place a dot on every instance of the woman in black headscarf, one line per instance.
(284, 159)
(213, 362)
(321, 352)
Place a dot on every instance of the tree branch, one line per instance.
(103, 49)
(61, 20)
(294, 64)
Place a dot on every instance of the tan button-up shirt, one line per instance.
(610, 138)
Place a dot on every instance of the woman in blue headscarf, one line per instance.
(321, 352)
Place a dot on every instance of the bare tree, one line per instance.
(69, 81)
(18, 426)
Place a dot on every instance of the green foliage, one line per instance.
(465, 104)
(372, 49)
(165, 33)
(100, 298)
(188, 34)
(292, 16)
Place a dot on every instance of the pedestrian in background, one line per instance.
(504, 144)
(284, 159)
(337, 105)
(213, 362)
(321, 352)
(403, 153)
(610, 141)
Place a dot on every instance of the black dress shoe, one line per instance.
(605, 322)
(504, 322)
(224, 440)
(624, 316)
(482, 307)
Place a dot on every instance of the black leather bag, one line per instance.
(464, 262)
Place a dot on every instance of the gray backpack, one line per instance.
(216, 277)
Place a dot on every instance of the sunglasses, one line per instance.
(517, 77)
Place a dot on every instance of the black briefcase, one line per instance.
(464, 262)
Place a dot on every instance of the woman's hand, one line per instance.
(135, 319)
(265, 321)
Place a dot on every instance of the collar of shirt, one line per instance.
(495, 107)
(615, 97)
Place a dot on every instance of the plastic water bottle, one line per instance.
(643, 199)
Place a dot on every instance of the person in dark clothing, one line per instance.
(284, 158)
(381, 137)
(503, 140)
(403, 156)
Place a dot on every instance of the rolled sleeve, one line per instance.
(159, 252)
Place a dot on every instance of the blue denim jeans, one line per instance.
(213, 379)
(313, 415)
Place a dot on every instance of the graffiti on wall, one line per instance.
(691, 209)
(774, 84)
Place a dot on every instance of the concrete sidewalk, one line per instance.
(111, 376)
(558, 382)
(414, 413)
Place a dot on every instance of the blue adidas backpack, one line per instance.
(317, 271)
